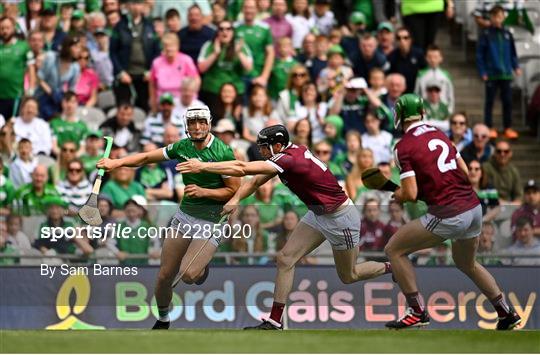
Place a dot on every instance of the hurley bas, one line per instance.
(95, 270)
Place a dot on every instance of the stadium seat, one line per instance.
(92, 116)
(106, 100)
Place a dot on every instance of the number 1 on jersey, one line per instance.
(308, 155)
(441, 161)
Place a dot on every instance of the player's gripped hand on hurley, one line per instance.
(108, 164)
(229, 208)
(193, 166)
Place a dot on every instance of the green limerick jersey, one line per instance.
(119, 194)
(215, 151)
(7, 192)
(257, 37)
(12, 68)
(278, 76)
(223, 70)
(30, 203)
(66, 131)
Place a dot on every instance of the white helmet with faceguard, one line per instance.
(197, 112)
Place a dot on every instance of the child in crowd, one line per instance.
(336, 74)
(436, 111)
(376, 82)
(322, 19)
(20, 170)
(379, 141)
(282, 66)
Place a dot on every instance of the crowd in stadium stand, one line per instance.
(74, 71)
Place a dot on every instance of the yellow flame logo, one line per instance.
(67, 314)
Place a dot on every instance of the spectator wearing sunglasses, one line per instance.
(460, 134)
(504, 175)
(88, 84)
(76, 188)
(480, 148)
(406, 59)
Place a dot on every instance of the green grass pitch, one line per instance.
(237, 341)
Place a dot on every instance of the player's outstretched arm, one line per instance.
(231, 168)
(248, 187)
(132, 161)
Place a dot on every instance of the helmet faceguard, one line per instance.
(197, 112)
(408, 107)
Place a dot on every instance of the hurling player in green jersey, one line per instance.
(199, 212)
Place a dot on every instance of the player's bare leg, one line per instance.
(408, 239)
(173, 250)
(303, 240)
(198, 267)
(463, 253)
(350, 271)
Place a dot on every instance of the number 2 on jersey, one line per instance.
(308, 155)
(441, 161)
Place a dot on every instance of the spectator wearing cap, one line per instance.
(460, 134)
(68, 127)
(30, 197)
(169, 70)
(333, 130)
(48, 25)
(530, 208)
(336, 74)
(122, 128)
(504, 175)
(13, 56)
(133, 47)
(55, 207)
(436, 111)
(155, 125)
(279, 25)
(195, 34)
(525, 245)
(77, 23)
(59, 73)
(93, 145)
(385, 38)
(322, 19)
(497, 62)
(101, 59)
(368, 57)
(479, 149)
(75, 188)
(137, 223)
(299, 20)
(226, 131)
(88, 84)
(258, 37)
(350, 42)
(379, 141)
(226, 59)
(433, 73)
(352, 103)
(406, 59)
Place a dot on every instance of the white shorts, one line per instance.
(465, 225)
(196, 228)
(341, 228)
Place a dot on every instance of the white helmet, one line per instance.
(197, 112)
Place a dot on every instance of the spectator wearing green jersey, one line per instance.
(157, 182)
(436, 111)
(282, 67)
(122, 185)
(136, 225)
(225, 59)
(258, 37)
(286, 104)
(13, 56)
(67, 127)
(270, 212)
(7, 192)
(93, 146)
(30, 197)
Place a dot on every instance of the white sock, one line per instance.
(163, 314)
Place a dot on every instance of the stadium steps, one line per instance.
(469, 94)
